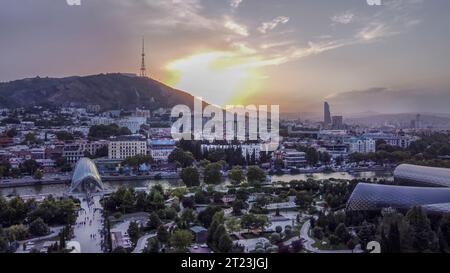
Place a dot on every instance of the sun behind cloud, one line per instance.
(219, 77)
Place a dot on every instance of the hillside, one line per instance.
(110, 91)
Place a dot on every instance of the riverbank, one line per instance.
(27, 182)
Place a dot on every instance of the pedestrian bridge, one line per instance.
(86, 177)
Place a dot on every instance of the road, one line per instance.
(142, 243)
(308, 242)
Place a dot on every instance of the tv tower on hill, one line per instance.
(143, 72)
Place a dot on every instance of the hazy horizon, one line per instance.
(360, 58)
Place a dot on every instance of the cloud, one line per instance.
(235, 3)
(374, 31)
(267, 26)
(236, 28)
(344, 18)
(175, 13)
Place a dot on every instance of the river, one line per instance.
(59, 190)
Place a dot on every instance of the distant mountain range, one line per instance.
(427, 119)
(110, 91)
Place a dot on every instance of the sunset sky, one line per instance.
(392, 58)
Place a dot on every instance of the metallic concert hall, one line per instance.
(431, 190)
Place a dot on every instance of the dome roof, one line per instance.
(423, 176)
(375, 197)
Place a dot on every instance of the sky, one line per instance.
(392, 58)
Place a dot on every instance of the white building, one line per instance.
(247, 149)
(294, 159)
(399, 140)
(362, 145)
(127, 146)
(73, 152)
(101, 121)
(133, 123)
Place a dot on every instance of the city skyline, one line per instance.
(283, 52)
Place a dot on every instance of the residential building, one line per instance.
(127, 146)
(294, 159)
(73, 152)
(401, 140)
(362, 145)
(161, 149)
(247, 149)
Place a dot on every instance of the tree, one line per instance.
(153, 246)
(255, 175)
(238, 206)
(342, 233)
(218, 235)
(154, 221)
(236, 175)
(30, 138)
(187, 217)
(445, 228)
(134, 232)
(312, 156)
(190, 177)
(275, 238)
(278, 229)
(206, 216)
(261, 222)
(422, 235)
(162, 234)
(64, 136)
(38, 174)
(212, 173)
(233, 224)
(217, 221)
(366, 234)
(303, 199)
(200, 197)
(318, 233)
(184, 158)
(225, 244)
(181, 239)
(297, 246)
(248, 221)
(39, 228)
(107, 131)
(334, 240)
(137, 160)
(29, 166)
(394, 239)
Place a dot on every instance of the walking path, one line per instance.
(142, 243)
(308, 242)
(89, 226)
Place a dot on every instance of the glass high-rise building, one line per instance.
(327, 114)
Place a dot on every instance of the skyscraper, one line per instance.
(327, 114)
(418, 122)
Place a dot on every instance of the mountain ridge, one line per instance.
(110, 91)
